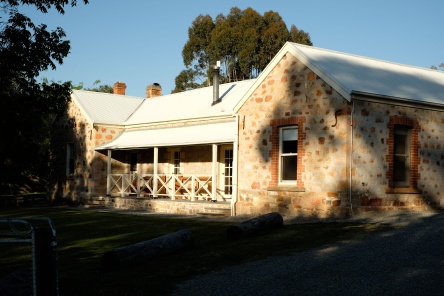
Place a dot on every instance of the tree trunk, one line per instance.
(255, 225)
(143, 251)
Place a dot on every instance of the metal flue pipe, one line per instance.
(216, 83)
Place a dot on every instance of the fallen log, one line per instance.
(255, 225)
(143, 251)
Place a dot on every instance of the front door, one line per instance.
(227, 171)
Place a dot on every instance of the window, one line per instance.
(70, 159)
(401, 156)
(228, 171)
(133, 162)
(288, 154)
(176, 162)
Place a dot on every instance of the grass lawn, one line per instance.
(84, 236)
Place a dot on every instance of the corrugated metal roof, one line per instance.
(191, 104)
(365, 75)
(222, 132)
(106, 108)
(345, 72)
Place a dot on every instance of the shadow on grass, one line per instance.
(405, 261)
(84, 236)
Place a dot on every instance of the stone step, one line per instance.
(218, 208)
(223, 210)
(95, 202)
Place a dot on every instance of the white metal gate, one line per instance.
(36, 260)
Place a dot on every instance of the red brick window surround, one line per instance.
(274, 152)
(402, 127)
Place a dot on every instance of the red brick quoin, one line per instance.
(274, 153)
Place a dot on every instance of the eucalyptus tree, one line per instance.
(195, 52)
(28, 107)
(97, 87)
(275, 35)
(440, 65)
(299, 36)
(244, 41)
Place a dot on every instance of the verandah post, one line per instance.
(193, 187)
(214, 175)
(139, 179)
(156, 163)
(108, 174)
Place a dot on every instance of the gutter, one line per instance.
(235, 170)
(143, 125)
(351, 158)
(398, 101)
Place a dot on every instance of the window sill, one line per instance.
(287, 188)
(402, 190)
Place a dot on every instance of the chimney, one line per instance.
(119, 88)
(216, 98)
(153, 90)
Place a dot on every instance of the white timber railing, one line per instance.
(190, 187)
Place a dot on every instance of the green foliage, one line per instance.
(244, 41)
(105, 88)
(440, 65)
(184, 81)
(29, 108)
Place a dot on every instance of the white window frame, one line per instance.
(406, 131)
(222, 171)
(282, 155)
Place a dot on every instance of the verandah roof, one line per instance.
(213, 133)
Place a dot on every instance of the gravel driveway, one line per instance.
(408, 261)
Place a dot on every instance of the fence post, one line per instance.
(45, 262)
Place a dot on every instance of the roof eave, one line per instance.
(288, 48)
(82, 109)
(198, 134)
(125, 125)
(379, 98)
(338, 86)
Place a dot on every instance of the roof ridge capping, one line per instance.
(107, 94)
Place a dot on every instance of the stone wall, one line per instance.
(99, 162)
(293, 94)
(167, 206)
(372, 164)
(89, 177)
(333, 134)
(196, 159)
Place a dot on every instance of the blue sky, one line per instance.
(140, 42)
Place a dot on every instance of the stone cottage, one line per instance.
(318, 133)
